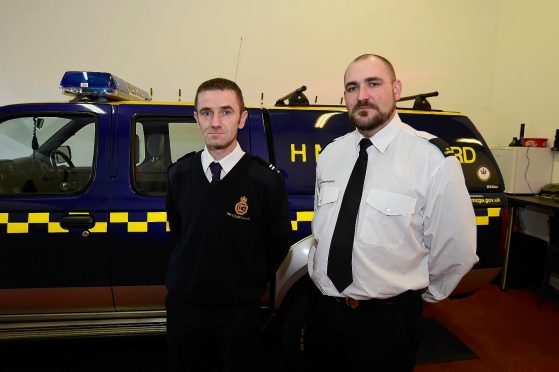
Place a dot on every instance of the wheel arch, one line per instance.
(292, 269)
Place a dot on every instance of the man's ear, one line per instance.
(196, 118)
(397, 86)
(244, 116)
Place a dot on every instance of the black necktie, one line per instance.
(215, 167)
(341, 248)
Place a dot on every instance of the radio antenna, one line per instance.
(238, 59)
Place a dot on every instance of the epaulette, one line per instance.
(334, 140)
(439, 143)
(322, 149)
(268, 165)
(443, 146)
(186, 156)
(179, 160)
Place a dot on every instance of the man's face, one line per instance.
(370, 92)
(219, 116)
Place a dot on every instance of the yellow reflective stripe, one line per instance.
(38, 218)
(18, 228)
(54, 227)
(100, 227)
(119, 217)
(137, 227)
(157, 217)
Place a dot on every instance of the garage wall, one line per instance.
(526, 88)
(462, 49)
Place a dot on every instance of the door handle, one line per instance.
(77, 222)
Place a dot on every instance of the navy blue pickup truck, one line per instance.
(84, 239)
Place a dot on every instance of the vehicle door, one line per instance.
(54, 255)
(299, 136)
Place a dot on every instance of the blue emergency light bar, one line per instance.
(100, 85)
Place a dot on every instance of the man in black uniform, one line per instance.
(229, 220)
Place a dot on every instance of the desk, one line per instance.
(538, 204)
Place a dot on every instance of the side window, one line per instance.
(46, 154)
(159, 142)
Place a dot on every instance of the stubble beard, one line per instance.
(219, 144)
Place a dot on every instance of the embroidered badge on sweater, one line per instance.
(241, 208)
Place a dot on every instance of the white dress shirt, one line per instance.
(227, 163)
(415, 226)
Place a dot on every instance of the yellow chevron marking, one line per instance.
(119, 217)
(38, 217)
(493, 212)
(304, 216)
(482, 220)
(54, 227)
(157, 217)
(137, 227)
(100, 227)
(18, 228)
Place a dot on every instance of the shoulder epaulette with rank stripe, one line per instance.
(443, 146)
(322, 149)
(268, 165)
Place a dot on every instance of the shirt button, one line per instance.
(388, 209)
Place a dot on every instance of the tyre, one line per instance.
(292, 324)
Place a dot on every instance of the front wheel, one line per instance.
(292, 324)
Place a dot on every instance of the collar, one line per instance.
(381, 139)
(227, 163)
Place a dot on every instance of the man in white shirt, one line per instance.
(406, 232)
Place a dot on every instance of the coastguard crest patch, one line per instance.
(241, 208)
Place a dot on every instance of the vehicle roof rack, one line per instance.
(295, 98)
(420, 100)
(298, 98)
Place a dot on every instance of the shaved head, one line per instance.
(374, 56)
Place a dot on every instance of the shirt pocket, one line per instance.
(387, 218)
(327, 198)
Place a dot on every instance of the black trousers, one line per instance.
(212, 338)
(381, 336)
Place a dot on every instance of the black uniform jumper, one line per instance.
(229, 238)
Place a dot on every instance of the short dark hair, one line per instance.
(221, 84)
(384, 60)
